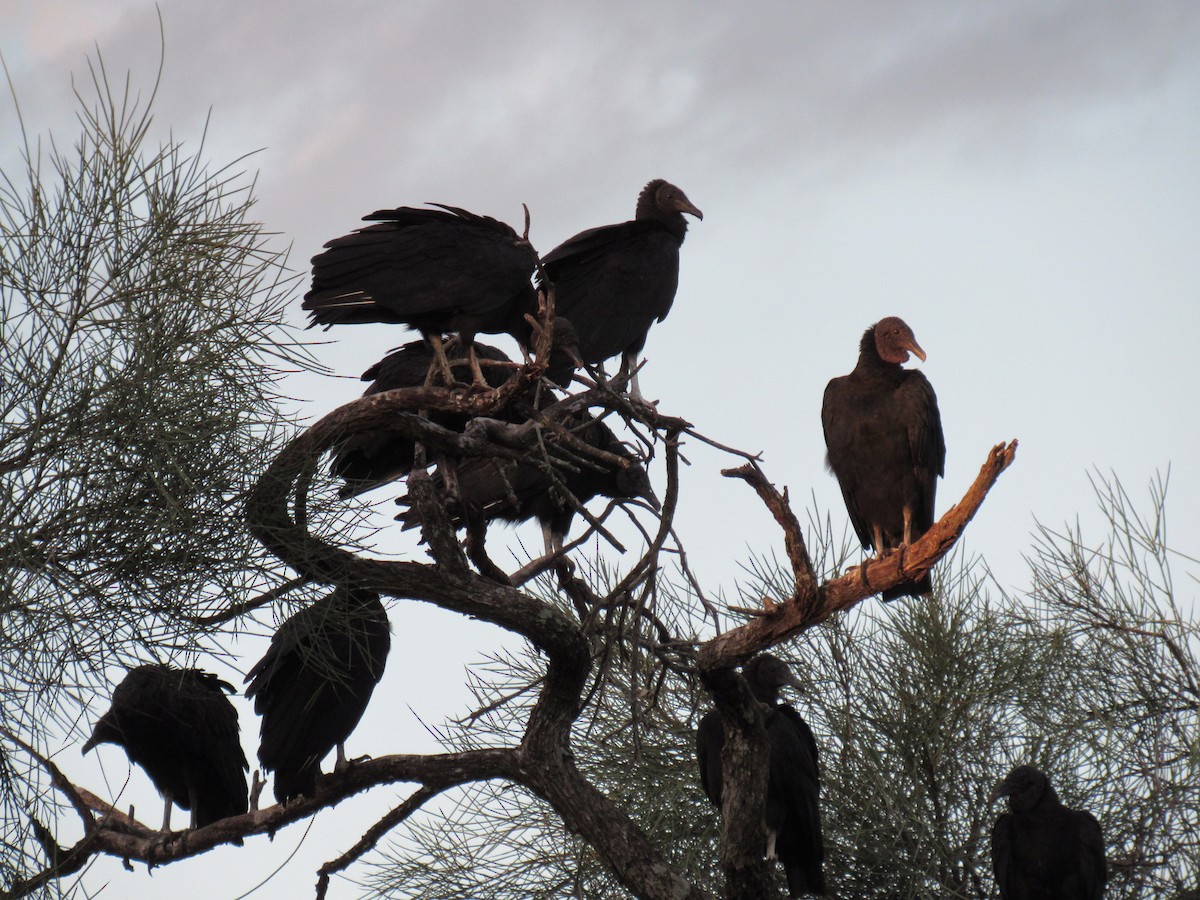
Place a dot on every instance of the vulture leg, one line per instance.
(340, 763)
(256, 789)
(877, 541)
(628, 365)
(478, 381)
(771, 837)
(166, 816)
(908, 531)
(439, 357)
(552, 539)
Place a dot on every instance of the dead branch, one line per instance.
(372, 835)
(810, 605)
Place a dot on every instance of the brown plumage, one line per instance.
(884, 437)
(614, 282)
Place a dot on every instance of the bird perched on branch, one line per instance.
(179, 726)
(792, 815)
(372, 458)
(314, 683)
(884, 437)
(1043, 849)
(547, 487)
(614, 282)
(436, 270)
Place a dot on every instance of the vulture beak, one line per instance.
(916, 349)
(686, 206)
(1003, 789)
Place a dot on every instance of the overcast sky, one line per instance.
(1017, 180)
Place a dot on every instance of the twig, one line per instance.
(372, 835)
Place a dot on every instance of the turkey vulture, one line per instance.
(436, 270)
(314, 683)
(372, 458)
(615, 281)
(178, 725)
(883, 432)
(519, 490)
(793, 815)
(1043, 849)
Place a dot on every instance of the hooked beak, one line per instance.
(916, 349)
(688, 207)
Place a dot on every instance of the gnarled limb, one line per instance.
(812, 604)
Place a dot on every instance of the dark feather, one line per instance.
(793, 780)
(1042, 849)
(181, 729)
(884, 437)
(437, 270)
(373, 458)
(314, 683)
(519, 490)
(615, 281)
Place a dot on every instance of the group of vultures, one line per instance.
(451, 274)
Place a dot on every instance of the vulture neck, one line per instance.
(869, 359)
(648, 211)
(1044, 796)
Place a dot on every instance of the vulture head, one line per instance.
(894, 340)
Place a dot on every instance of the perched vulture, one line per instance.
(615, 281)
(518, 490)
(883, 432)
(178, 725)
(370, 459)
(314, 683)
(1042, 850)
(436, 270)
(793, 815)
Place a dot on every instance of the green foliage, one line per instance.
(141, 321)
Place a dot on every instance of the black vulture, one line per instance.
(793, 815)
(314, 683)
(883, 432)
(370, 459)
(1041, 849)
(178, 725)
(615, 281)
(490, 489)
(436, 270)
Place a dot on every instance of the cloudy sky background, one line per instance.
(1018, 180)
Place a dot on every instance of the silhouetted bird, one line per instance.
(314, 683)
(793, 815)
(518, 490)
(436, 270)
(883, 432)
(615, 281)
(1043, 849)
(178, 725)
(372, 458)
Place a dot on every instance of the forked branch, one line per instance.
(811, 604)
